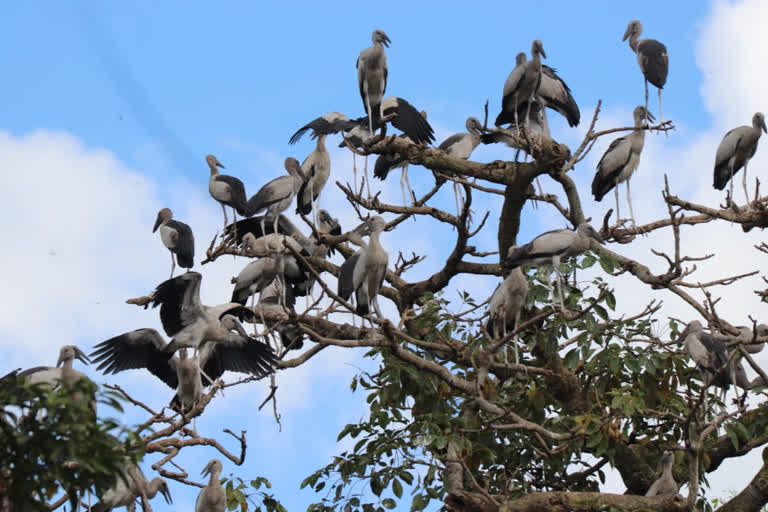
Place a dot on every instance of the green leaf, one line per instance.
(397, 488)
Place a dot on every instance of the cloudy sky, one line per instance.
(108, 111)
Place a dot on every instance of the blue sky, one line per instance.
(108, 110)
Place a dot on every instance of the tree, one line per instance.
(451, 417)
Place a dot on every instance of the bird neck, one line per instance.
(215, 478)
(633, 41)
(214, 170)
(373, 241)
(321, 143)
(153, 487)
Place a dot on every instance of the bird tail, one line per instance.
(600, 185)
(362, 308)
(384, 164)
(240, 296)
(185, 260)
(375, 115)
(722, 176)
(504, 118)
(304, 200)
(255, 205)
(100, 507)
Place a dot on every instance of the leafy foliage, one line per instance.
(50, 441)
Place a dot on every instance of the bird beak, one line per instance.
(543, 53)
(80, 355)
(219, 164)
(241, 331)
(206, 470)
(762, 124)
(167, 495)
(650, 117)
(158, 222)
(386, 41)
(627, 33)
(59, 362)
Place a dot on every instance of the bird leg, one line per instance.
(556, 264)
(367, 181)
(403, 175)
(224, 209)
(646, 102)
(411, 195)
(274, 225)
(730, 180)
(744, 180)
(354, 171)
(376, 308)
(629, 200)
(514, 340)
(616, 194)
(173, 265)
(538, 186)
(661, 111)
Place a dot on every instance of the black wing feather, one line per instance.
(179, 301)
(346, 273)
(185, 245)
(142, 348)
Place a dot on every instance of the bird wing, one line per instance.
(450, 141)
(304, 197)
(385, 163)
(508, 100)
(408, 120)
(333, 122)
(654, 61)
(253, 226)
(237, 191)
(179, 301)
(142, 348)
(252, 357)
(558, 95)
(185, 243)
(346, 276)
(728, 147)
(273, 192)
(610, 166)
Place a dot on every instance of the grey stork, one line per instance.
(551, 248)
(653, 60)
(461, 145)
(710, 355)
(276, 196)
(291, 338)
(188, 375)
(363, 272)
(212, 497)
(126, 490)
(521, 85)
(190, 323)
(177, 237)
(620, 161)
(666, 483)
(316, 169)
(227, 190)
(505, 305)
(372, 77)
(63, 373)
(734, 152)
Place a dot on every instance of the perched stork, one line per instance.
(363, 272)
(212, 497)
(276, 196)
(127, 490)
(62, 374)
(327, 225)
(522, 85)
(620, 161)
(734, 152)
(709, 354)
(227, 190)
(316, 168)
(146, 348)
(556, 95)
(665, 484)
(388, 161)
(291, 337)
(505, 305)
(190, 323)
(551, 248)
(372, 77)
(653, 60)
(177, 237)
(254, 278)
(461, 145)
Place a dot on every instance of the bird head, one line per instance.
(70, 352)
(328, 224)
(634, 28)
(538, 48)
(213, 162)
(163, 216)
(213, 466)
(587, 230)
(162, 487)
(380, 37)
(294, 168)
(473, 125)
(233, 324)
(641, 113)
(667, 458)
(520, 59)
(758, 121)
